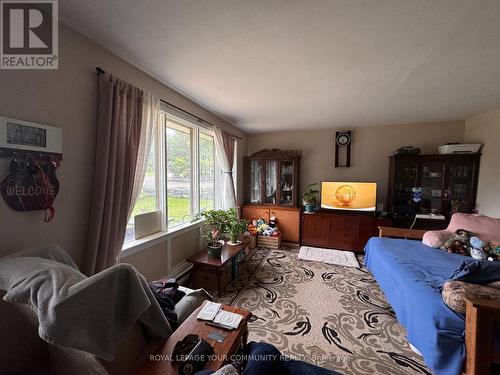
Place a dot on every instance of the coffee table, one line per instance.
(160, 363)
(224, 268)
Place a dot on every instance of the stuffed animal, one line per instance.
(417, 194)
(262, 228)
(459, 243)
(268, 232)
(251, 229)
(477, 246)
(273, 222)
(494, 251)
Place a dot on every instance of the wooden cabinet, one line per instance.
(288, 219)
(443, 179)
(316, 230)
(272, 178)
(344, 229)
(349, 231)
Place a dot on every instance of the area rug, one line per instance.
(333, 316)
(329, 256)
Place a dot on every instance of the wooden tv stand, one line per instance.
(341, 230)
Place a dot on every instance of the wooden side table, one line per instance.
(160, 362)
(223, 268)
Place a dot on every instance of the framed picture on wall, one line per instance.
(29, 136)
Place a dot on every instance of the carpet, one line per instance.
(332, 316)
(336, 257)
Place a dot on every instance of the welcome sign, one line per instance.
(23, 192)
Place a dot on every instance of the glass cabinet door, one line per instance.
(405, 180)
(432, 184)
(255, 181)
(271, 182)
(460, 180)
(286, 183)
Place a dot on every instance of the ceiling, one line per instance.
(273, 65)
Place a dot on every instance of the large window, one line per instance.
(148, 201)
(207, 171)
(179, 173)
(180, 180)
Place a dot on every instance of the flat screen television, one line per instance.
(353, 196)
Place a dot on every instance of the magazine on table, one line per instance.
(213, 312)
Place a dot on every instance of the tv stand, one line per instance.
(341, 230)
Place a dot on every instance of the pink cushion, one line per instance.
(484, 227)
(436, 238)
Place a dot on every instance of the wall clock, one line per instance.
(343, 142)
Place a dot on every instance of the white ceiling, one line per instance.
(269, 65)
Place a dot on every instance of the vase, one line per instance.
(309, 207)
(233, 238)
(214, 251)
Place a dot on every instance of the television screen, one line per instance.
(355, 196)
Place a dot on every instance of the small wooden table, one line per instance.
(160, 362)
(224, 268)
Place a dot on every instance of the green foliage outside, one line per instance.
(179, 209)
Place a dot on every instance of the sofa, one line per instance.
(22, 350)
(484, 227)
(411, 275)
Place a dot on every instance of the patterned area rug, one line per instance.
(333, 316)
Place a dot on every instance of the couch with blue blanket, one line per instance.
(411, 275)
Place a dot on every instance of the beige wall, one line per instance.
(67, 98)
(485, 128)
(370, 149)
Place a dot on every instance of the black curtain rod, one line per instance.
(100, 72)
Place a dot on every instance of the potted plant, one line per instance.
(213, 227)
(235, 226)
(309, 197)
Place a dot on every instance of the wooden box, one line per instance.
(269, 242)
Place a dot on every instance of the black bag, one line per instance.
(167, 295)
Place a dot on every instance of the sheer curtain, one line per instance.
(126, 116)
(224, 150)
(151, 110)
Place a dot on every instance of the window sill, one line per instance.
(136, 246)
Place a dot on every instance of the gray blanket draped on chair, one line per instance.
(86, 313)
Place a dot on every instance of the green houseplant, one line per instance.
(235, 226)
(213, 227)
(309, 196)
(216, 223)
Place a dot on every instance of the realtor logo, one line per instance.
(29, 34)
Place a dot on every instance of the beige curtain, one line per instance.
(122, 110)
(151, 109)
(224, 150)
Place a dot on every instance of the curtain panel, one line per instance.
(126, 118)
(224, 150)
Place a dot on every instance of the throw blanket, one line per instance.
(477, 271)
(90, 314)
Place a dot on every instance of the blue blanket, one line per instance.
(410, 275)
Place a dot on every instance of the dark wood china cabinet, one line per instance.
(272, 189)
(272, 178)
(444, 180)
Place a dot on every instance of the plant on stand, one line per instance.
(213, 227)
(235, 226)
(309, 197)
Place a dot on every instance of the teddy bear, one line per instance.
(477, 246)
(459, 243)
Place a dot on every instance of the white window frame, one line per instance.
(161, 177)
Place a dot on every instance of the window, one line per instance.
(181, 174)
(148, 198)
(207, 171)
